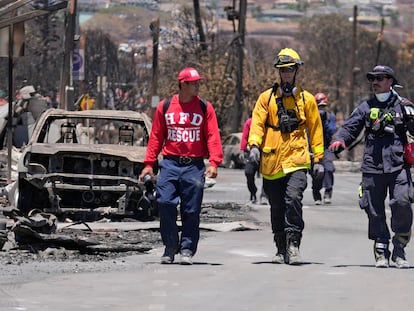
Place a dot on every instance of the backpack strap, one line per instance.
(203, 105)
(274, 90)
(166, 104)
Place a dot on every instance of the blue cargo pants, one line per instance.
(181, 184)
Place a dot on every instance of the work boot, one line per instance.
(398, 256)
(263, 200)
(399, 241)
(382, 255)
(280, 240)
(278, 258)
(253, 198)
(293, 243)
(168, 256)
(317, 196)
(327, 196)
(186, 258)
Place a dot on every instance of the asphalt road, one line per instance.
(232, 270)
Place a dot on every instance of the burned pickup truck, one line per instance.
(79, 163)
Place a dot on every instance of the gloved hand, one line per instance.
(408, 109)
(254, 154)
(407, 102)
(337, 147)
(318, 171)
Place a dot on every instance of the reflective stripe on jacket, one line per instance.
(383, 152)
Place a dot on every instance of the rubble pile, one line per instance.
(41, 237)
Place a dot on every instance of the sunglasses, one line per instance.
(378, 78)
(287, 69)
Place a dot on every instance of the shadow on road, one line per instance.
(369, 266)
(303, 264)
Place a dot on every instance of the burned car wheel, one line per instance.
(233, 156)
(142, 207)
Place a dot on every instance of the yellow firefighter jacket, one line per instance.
(282, 153)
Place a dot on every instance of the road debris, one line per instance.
(41, 237)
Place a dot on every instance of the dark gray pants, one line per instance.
(251, 170)
(285, 197)
(374, 192)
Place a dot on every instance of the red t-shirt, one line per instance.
(245, 134)
(185, 130)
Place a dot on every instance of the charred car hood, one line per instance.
(132, 153)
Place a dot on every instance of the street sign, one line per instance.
(86, 102)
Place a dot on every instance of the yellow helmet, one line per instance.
(287, 57)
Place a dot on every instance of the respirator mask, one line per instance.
(287, 89)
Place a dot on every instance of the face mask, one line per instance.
(288, 89)
(382, 97)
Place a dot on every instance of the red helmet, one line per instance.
(321, 99)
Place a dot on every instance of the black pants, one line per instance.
(251, 169)
(285, 197)
(327, 181)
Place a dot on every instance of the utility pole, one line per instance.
(66, 81)
(10, 112)
(199, 25)
(379, 40)
(15, 23)
(238, 98)
(353, 72)
(155, 29)
(353, 59)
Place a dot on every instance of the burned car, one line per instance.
(86, 162)
(233, 156)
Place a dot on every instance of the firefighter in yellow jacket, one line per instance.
(286, 135)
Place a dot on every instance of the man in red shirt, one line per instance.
(185, 133)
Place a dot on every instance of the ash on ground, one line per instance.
(85, 245)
